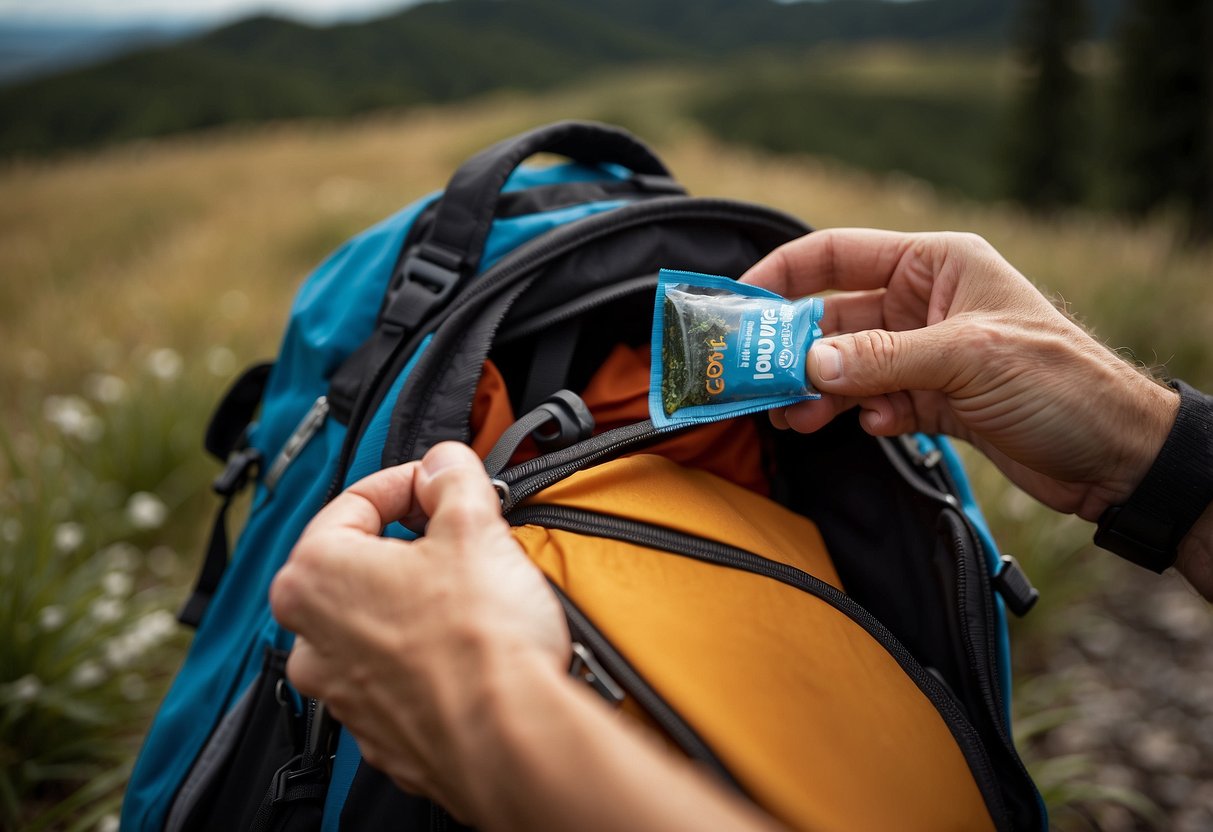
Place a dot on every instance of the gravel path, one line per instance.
(1137, 665)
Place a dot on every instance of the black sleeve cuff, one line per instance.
(1176, 490)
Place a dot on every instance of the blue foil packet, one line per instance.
(723, 349)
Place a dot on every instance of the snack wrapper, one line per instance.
(723, 349)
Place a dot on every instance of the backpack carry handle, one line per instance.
(452, 249)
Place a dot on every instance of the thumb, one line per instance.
(877, 361)
(454, 491)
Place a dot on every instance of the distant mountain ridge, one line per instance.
(29, 50)
(268, 68)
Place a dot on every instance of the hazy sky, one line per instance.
(89, 11)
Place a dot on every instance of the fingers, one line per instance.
(371, 503)
(853, 312)
(345, 530)
(889, 415)
(837, 258)
(877, 362)
(305, 668)
(454, 490)
(812, 415)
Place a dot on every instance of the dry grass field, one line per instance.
(135, 282)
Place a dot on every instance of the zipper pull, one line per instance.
(586, 668)
(297, 441)
(926, 460)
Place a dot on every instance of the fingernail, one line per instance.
(827, 361)
(443, 456)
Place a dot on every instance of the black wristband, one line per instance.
(1176, 490)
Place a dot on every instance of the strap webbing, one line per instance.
(214, 563)
(550, 363)
(230, 483)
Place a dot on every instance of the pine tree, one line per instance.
(1164, 118)
(1048, 140)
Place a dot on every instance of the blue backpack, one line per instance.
(383, 351)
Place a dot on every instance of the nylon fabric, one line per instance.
(617, 395)
(794, 696)
(968, 503)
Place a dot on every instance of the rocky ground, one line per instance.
(1136, 664)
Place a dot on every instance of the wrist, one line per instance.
(500, 749)
(1168, 504)
(1144, 431)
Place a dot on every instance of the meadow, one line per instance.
(136, 281)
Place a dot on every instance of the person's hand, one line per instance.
(938, 333)
(404, 641)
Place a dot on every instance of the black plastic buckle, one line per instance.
(571, 421)
(1013, 585)
(236, 472)
(424, 287)
(295, 781)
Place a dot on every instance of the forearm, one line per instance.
(551, 755)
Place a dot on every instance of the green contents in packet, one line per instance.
(691, 334)
(722, 348)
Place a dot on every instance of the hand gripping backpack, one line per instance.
(819, 619)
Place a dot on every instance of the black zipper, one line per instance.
(919, 483)
(945, 480)
(581, 521)
(534, 475)
(935, 482)
(582, 630)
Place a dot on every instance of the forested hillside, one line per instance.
(269, 68)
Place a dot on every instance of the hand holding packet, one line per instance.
(723, 349)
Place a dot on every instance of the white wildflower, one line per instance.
(34, 364)
(73, 416)
(120, 556)
(68, 537)
(220, 361)
(133, 687)
(162, 560)
(120, 651)
(10, 530)
(233, 304)
(51, 618)
(108, 823)
(106, 610)
(87, 674)
(25, 689)
(165, 364)
(117, 584)
(155, 627)
(145, 510)
(106, 388)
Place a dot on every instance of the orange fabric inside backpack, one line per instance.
(618, 395)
